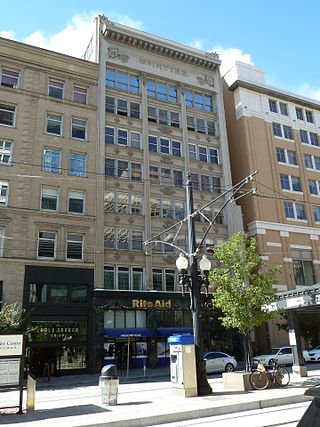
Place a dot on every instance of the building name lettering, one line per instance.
(141, 303)
(159, 66)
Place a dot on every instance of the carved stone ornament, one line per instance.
(130, 122)
(206, 80)
(116, 219)
(197, 137)
(116, 119)
(131, 258)
(208, 139)
(168, 191)
(130, 186)
(130, 153)
(164, 129)
(114, 53)
(131, 220)
(166, 159)
(116, 184)
(211, 168)
(116, 150)
(213, 55)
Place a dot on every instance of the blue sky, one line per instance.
(280, 36)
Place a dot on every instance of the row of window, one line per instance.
(284, 131)
(157, 89)
(53, 125)
(121, 238)
(289, 157)
(295, 210)
(132, 278)
(159, 115)
(56, 88)
(47, 246)
(52, 293)
(282, 108)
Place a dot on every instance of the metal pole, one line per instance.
(202, 381)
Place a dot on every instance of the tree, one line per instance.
(244, 286)
(11, 318)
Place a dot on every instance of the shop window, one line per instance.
(79, 294)
(58, 294)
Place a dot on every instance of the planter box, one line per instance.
(236, 381)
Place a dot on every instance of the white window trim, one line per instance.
(61, 125)
(54, 248)
(75, 241)
(85, 129)
(41, 194)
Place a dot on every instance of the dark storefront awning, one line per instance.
(167, 332)
(127, 332)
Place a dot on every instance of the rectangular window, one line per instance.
(109, 277)
(109, 238)
(152, 114)
(79, 129)
(54, 124)
(76, 202)
(176, 148)
(123, 238)
(304, 136)
(7, 115)
(292, 159)
(4, 193)
(5, 152)
(9, 78)
(154, 174)
(289, 182)
(211, 128)
(122, 107)
(213, 156)
(123, 169)
(294, 210)
(157, 280)
(137, 240)
(122, 80)
(122, 137)
(134, 110)
(195, 180)
(287, 132)
(203, 154)
(80, 94)
(109, 167)
(49, 199)
(74, 247)
(164, 146)
(155, 207)
(77, 164)
(123, 278)
(135, 139)
(46, 244)
(109, 202)
(136, 205)
(110, 104)
(273, 106)
(308, 161)
(313, 187)
(177, 178)
(191, 123)
(55, 89)
(277, 131)
(174, 119)
(316, 213)
(137, 280)
(153, 145)
(314, 139)
(309, 116)
(162, 91)
(205, 183)
(283, 109)
(123, 203)
(192, 152)
(163, 117)
(281, 155)
(216, 184)
(136, 172)
(109, 136)
(299, 113)
(2, 235)
(199, 101)
(51, 160)
(169, 277)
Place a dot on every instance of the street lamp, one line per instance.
(193, 283)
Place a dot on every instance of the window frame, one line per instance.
(11, 110)
(57, 86)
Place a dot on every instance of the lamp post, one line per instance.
(192, 280)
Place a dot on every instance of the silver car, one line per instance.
(217, 361)
(314, 354)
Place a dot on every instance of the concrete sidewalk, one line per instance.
(144, 403)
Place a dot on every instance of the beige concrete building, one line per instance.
(276, 133)
(48, 140)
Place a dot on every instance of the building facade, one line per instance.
(48, 134)
(161, 116)
(276, 133)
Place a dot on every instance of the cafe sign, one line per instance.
(158, 303)
(11, 345)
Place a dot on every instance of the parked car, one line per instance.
(315, 354)
(283, 355)
(217, 361)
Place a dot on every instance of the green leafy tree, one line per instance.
(11, 318)
(244, 286)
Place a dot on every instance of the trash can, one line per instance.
(109, 382)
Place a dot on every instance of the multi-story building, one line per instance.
(161, 116)
(276, 133)
(48, 135)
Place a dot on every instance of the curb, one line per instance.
(202, 413)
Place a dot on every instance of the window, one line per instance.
(79, 129)
(136, 172)
(313, 139)
(55, 89)
(291, 183)
(303, 268)
(312, 162)
(154, 174)
(2, 235)
(192, 152)
(294, 210)
(80, 94)
(199, 101)
(7, 115)
(162, 91)
(9, 78)
(127, 279)
(123, 169)
(46, 244)
(316, 213)
(109, 136)
(309, 138)
(51, 160)
(309, 116)
(216, 184)
(157, 279)
(304, 136)
(299, 113)
(122, 137)
(54, 124)
(135, 140)
(77, 164)
(314, 187)
(122, 80)
(136, 240)
(5, 152)
(164, 146)
(283, 109)
(273, 106)
(177, 178)
(122, 107)
(286, 156)
(164, 117)
(49, 198)
(75, 247)
(282, 131)
(76, 202)
(4, 192)
(109, 238)
(203, 154)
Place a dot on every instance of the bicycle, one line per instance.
(260, 377)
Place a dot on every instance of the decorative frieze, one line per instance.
(114, 53)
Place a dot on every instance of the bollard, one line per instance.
(31, 392)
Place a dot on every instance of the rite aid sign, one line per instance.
(11, 345)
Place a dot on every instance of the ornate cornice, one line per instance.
(143, 41)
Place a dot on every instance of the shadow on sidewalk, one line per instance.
(44, 414)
